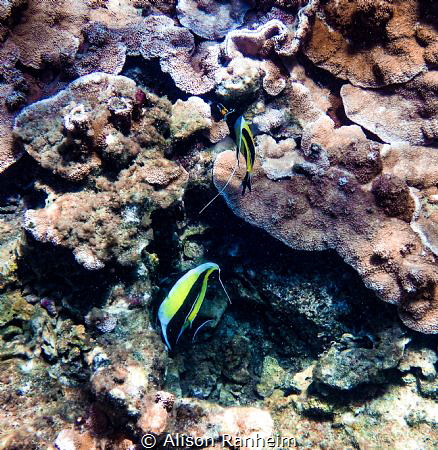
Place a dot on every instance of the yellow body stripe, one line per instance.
(178, 295)
(197, 306)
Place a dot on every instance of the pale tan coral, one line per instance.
(329, 202)
(418, 166)
(201, 419)
(8, 153)
(70, 439)
(194, 72)
(239, 80)
(370, 44)
(278, 158)
(406, 113)
(272, 38)
(156, 413)
(193, 69)
(49, 31)
(160, 38)
(190, 116)
(218, 131)
(104, 53)
(210, 19)
(274, 81)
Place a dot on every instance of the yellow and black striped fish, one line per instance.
(245, 145)
(180, 308)
(224, 112)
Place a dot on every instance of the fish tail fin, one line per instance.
(246, 183)
(223, 287)
(220, 192)
(164, 331)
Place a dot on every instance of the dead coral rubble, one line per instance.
(95, 122)
(329, 202)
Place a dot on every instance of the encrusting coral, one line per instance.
(405, 113)
(210, 19)
(372, 43)
(327, 202)
(266, 45)
(101, 120)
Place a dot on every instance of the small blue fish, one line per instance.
(183, 303)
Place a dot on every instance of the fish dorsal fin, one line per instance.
(222, 190)
(223, 287)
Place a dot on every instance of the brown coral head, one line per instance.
(392, 194)
(363, 22)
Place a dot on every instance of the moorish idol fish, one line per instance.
(245, 145)
(223, 111)
(180, 308)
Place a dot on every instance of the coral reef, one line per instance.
(209, 19)
(98, 120)
(328, 192)
(406, 113)
(101, 185)
(372, 44)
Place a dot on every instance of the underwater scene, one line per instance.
(218, 224)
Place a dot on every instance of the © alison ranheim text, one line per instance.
(255, 441)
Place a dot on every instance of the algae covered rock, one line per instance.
(348, 363)
(274, 377)
(189, 117)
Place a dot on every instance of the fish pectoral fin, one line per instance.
(200, 326)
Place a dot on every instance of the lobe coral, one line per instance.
(107, 137)
(341, 190)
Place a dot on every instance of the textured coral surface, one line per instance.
(117, 129)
